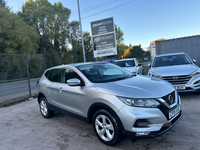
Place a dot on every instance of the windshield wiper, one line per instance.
(121, 78)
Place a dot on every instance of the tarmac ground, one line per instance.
(22, 127)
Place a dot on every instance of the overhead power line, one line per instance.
(108, 9)
(93, 7)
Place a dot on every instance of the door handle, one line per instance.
(44, 86)
(61, 90)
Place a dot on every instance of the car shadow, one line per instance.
(190, 95)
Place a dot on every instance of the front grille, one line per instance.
(177, 79)
(166, 110)
(170, 98)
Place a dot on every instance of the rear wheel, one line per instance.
(44, 109)
(106, 127)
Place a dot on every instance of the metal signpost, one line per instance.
(81, 31)
(103, 37)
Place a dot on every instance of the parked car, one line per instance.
(114, 100)
(178, 69)
(130, 64)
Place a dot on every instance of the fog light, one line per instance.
(142, 133)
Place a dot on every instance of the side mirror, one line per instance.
(74, 82)
(194, 60)
(149, 65)
(139, 64)
(134, 73)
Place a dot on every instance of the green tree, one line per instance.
(121, 50)
(53, 25)
(136, 52)
(16, 37)
(88, 46)
(2, 3)
(119, 35)
(121, 47)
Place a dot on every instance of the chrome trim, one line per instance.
(181, 79)
(166, 104)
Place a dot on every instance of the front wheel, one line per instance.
(45, 111)
(106, 128)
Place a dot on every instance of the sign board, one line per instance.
(153, 50)
(102, 26)
(103, 37)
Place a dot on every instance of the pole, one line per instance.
(81, 31)
(28, 76)
(73, 48)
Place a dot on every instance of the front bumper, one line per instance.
(156, 121)
(188, 87)
(155, 133)
(191, 86)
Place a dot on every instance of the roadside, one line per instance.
(14, 92)
(9, 102)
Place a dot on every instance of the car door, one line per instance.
(50, 87)
(71, 98)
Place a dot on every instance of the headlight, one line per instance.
(154, 75)
(196, 72)
(139, 102)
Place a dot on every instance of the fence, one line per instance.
(20, 68)
(19, 72)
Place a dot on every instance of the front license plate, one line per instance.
(179, 87)
(174, 112)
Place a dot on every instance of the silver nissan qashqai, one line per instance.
(114, 100)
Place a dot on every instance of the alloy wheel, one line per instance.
(43, 107)
(104, 127)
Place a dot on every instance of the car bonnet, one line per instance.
(137, 87)
(174, 70)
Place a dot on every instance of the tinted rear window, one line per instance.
(127, 63)
(53, 75)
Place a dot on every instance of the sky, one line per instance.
(142, 21)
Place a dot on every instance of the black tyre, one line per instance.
(106, 128)
(45, 111)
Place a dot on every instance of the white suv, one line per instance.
(130, 64)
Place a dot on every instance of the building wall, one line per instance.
(189, 45)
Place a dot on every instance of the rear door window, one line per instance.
(54, 75)
(126, 63)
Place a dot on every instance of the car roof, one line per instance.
(170, 54)
(124, 59)
(76, 64)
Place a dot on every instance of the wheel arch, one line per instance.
(39, 96)
(97, 106)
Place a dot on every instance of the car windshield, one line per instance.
(125, 63)
(171, 60)
(103, 72)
